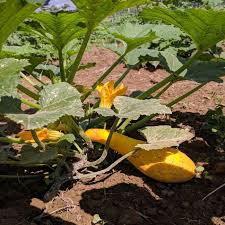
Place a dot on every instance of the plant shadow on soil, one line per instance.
(127, 197)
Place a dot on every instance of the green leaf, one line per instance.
(133, 35)
(31, 155)
(9, 75)
(95, 11)
(133, 108)
(12, 14)
(55, 102)
(170, 60)
(59, 29)
(205, 27)
(67, 137)
(203, 71)
(163, 136)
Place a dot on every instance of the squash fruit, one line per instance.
(167, 165)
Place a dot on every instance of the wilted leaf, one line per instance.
(205, 27)
(9, 75)
(133, 108)
(55, 102)
(159, 137)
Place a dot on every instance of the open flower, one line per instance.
(43, 134)
(108, 92)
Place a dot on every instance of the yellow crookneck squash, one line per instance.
(167, 165)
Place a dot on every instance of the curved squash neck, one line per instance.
(120, 143)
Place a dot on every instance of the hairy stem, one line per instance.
(79, 57)
(36, 139)
(31, 104)
(61, 65)
(11, 140)
(28, 92)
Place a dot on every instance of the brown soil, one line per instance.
(127, 197)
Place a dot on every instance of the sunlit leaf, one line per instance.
(55, 102)
(205, 27)
(59, 29)
(9, 75)
(95, 11)
(133, 108)
(13, 13)
(163, 136)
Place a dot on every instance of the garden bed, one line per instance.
(125, 196)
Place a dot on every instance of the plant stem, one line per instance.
(122, 77)
(30, 82)
(28, 92)
(173, 77)
(75, 128)
(80, 54)
(61, 65)
(106, 149)
(104, 75)
(164, 89)
(36, 139)
(11, 140)
(37, 79)
(141, 123)
(31, 104)
(20, 176)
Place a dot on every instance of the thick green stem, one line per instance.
(30, 82)
(28, 92)
(141, 123)
(31, 104)
(11, 140)
(164, 90)
(106, 149)
(172, 78)
(75, 128)
(61, 65)
(36, 139)
(104, 75)
(79, 57)
(122, 77)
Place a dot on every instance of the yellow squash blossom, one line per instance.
(108, 93)
(43, 134)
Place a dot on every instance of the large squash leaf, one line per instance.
(31, 155)
(133, 108)
(205, 27)
(56, 101)
(58, 28)
(9, 75)
(133, 35)
(13, 13)
(164, 136)
(95, 11)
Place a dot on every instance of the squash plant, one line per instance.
(54, 134)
